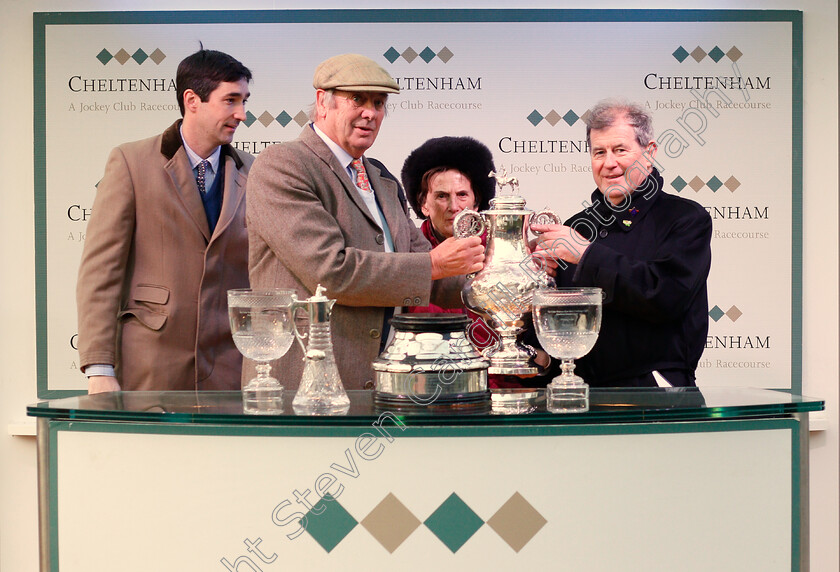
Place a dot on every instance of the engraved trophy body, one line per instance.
(501, 292)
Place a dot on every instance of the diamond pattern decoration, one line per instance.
(391, 55)
(331, 525)
(679, 184)
(517, 522)
(714, 184)
(157, 56)
(732, 183)
(283, 119)
(445, 54)
(716, 313)
(266, 118)
(696, 183)
(734, 54)
(390, 523)
(409, 55)
(427, 55)
(301, 118)
(249, 119)
(585, 116)
(716, 54)
(570, 117)
(553, 118)
(139, 56)
(698, 54)
(535, 118)
(104, 56)
(453, 522)
(734, 313)
(122, 56)
(680, 54)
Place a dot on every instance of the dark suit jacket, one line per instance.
(307, 225)
(152, 288)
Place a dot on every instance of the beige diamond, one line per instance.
(732, 183)
(390, 523)
(696, 183)
(445, 54)
(266, 118)
(409, 55)
(733, 313)
(734, 54)
(302, 118)
(157, 56)
(698, 54)
(122, 56)
(585, 116)
(553, 117)
(517, 522)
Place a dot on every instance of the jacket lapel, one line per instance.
(233, 192)
(186, 190)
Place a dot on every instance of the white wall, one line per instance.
(821, 315)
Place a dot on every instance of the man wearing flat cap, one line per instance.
(320, 212)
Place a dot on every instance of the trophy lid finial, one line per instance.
(503, 180)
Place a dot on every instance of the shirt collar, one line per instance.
(195, 159)
(344, 158)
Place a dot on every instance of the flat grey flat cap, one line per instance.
(353, 72)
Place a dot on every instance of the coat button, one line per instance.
(374, 333)
(407, 302)
(369, 384)
(380, 239)
(417, 301)
(603, 233)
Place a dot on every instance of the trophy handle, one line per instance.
(468, 223)
(296, 306)
(545, 216)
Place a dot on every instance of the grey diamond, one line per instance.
(302, 118)
(698, 54)
(732, 183)
(734, 313)
(734, 54)
(122, 56)
(696, 183)
(409, 55)
(157, 56)
(445, 54)
(266, 118)
(553, 117)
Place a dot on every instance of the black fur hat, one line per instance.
(463, 154)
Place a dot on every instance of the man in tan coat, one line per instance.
(166, 240)
(319, 212)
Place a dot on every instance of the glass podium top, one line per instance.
(504, 408)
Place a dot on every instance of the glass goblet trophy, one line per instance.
(261, 322)
(567, 321)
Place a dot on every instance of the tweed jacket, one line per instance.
(151, 293)
(307, 225)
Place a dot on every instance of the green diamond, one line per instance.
(570, 117)
(453, 522)
(679, 184)
(139, 56)
(535, 118)
(680, 54)
(716, 313)
(284, 119)
(391, 55)
(332, 524)
(104, 56)
(249, 119)
(428, 54)
(716, 54)
(714, 184)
